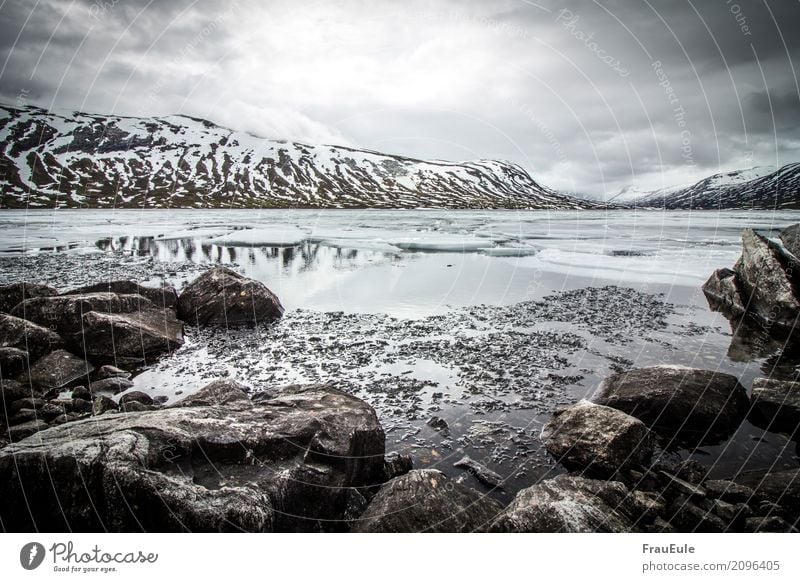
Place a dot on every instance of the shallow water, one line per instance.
(480, 318)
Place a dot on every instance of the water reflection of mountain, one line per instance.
(307, 256)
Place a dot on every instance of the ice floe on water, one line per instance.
(262, 236)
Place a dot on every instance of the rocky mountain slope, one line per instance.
(52, 160)
(756, 188)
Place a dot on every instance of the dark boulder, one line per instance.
(20, 432)
(22, 416)
(164, 296)
(790, 237)
(686, 404)
(109, 386)
(29, 403)
(396, 465)
(728, 491)
(12, 361)
(781, 488)
(136, 396)
(108, 371)
(597, 439)
(768, 524)
(65, 313)
(130, 337)
(221, 296)
(81, 393)
(426, 501)
(221, 392)
(25, 335)
(570, 504)
(59, 369)
(287, 464)
(11, 390)
(776, 405)
(103, 404)
(723, 293)
(765, 283)
(687, 516)
(15, 293)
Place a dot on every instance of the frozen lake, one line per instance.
(488, 320)
(410, 263)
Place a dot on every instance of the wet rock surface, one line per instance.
(221, 296)
(131, 338)
(569, 504)
(723, 292)
(282, 464)
(162, 296)
(427, 501)
(492, 375)
(763, 284)
(15, 293)
(27, 336)
(597, 439)
(685, 404)
(58, 370)
(65, 313)
(776, 405)
(12, 361)
(764, 280)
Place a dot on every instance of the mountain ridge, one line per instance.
(74, 159)
(751, 188)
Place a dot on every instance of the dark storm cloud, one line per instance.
(588, 96)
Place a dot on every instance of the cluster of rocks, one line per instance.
(64, 356)
(764, 284)
(609, 444)
(312, 457)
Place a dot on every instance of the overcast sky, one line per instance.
(587, 96)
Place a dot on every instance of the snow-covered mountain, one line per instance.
(758, 188)
(52, 160)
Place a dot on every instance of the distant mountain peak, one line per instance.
(760, 187)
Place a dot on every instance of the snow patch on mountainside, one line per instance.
(74, 159)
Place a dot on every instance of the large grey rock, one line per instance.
(688, 404)
(130, 337)
(136, 396)
(164, 296)
(109, 386)
(221, 392)
(286, 464)
(58, 370)
(12, 361)
(25, 335)
(427, 501)
(790, 237)
(723, 294)
(221, 296)
(776, 404)
(765, 282)
(597, 439)
(65, 313)
(15, 293)
(570, 504)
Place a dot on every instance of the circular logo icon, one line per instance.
(31, 555)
